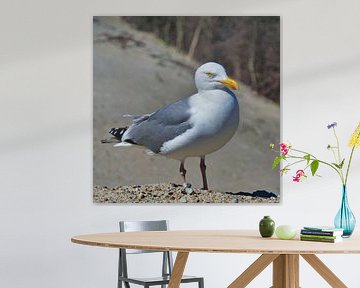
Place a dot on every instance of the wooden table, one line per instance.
(284, 254)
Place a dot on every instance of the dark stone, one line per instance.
(257, 193)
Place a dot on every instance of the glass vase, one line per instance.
(345, 219)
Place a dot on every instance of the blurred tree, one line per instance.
(248, 46)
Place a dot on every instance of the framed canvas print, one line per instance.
(184, 109)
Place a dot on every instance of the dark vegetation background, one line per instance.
(248, 46)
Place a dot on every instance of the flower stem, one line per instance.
(323, 162)
(300, 151)
(348, 168)
(338, 145)
(339, 155)
(351, 155)
(333, 152)
(296, 162)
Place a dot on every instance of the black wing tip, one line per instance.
(118, 132)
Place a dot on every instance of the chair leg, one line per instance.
(201, 283)
(164, 266)
(120, 273)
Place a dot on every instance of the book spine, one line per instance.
(318, 239)
(320, 233)
(319, 236)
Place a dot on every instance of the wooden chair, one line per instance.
(167, 262)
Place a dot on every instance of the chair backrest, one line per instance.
(134, 226)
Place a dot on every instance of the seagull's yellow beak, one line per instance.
(230, 83)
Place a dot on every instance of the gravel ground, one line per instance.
(172, 193)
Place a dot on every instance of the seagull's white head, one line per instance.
(211, 76)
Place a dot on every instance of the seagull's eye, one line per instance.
(210, 75)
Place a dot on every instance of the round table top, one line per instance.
(217, 241)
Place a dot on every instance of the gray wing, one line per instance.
(153, 130)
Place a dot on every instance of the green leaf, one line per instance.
(336, 165)
(276, 161)
(339, 166)
(307, 157)
(342, 163)
(314, 166)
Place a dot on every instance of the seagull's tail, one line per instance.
(117, 135)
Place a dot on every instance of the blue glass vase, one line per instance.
(345, 219)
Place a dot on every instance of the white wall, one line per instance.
(45, 144)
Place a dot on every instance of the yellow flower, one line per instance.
(355, 137)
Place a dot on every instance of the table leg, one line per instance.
(178, 269)
(286, 271)
(324, 271)
(293, 264)
(253, 270)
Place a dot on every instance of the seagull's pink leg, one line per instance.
(203, 172)
(183, 173)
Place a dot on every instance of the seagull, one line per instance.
(194, 126)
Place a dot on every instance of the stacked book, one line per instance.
(321, 234)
